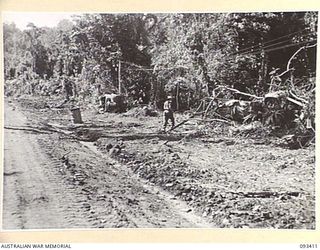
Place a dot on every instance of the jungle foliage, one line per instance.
(186, 55)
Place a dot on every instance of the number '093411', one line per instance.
(307, 246)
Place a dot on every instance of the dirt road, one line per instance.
(117, 170)
(44, 189)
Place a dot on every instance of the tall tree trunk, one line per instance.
(177, 97)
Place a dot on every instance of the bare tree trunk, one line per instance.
(177, 97)
(119, 77)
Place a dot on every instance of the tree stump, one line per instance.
(76, 115)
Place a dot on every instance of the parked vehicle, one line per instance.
(112, 103)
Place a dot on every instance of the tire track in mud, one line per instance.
(34, 195)
(33, 198)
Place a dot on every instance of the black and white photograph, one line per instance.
(159, 120)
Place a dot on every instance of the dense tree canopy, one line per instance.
(185, 54)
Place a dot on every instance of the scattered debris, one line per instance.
(142, 110)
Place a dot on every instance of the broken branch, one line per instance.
(302, 48)
(238, 92)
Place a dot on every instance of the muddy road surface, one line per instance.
(119, 170)
(42, 189)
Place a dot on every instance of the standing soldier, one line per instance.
(168, 113)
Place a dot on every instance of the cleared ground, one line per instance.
(118, 170)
